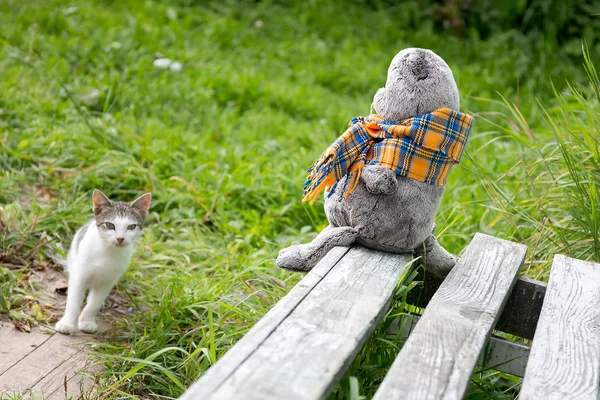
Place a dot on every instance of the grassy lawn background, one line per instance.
(224, 145)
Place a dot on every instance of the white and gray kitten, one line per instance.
(98, 257)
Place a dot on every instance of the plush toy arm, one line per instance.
(435, 258)
(303, 257)
(379, 180)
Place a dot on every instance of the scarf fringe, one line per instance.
(312, 194)
(320, 176)
(326, 180)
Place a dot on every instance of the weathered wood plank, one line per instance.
(505, 355)
(438, 358)
(565, 355)
(500, 354)
(36, 365)
(54, 380)
(244, 348)
(15, 345)
(312, 347)
(520, 314)
(310, 351)
(80, 381)
(79, 387)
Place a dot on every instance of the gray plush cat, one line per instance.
(385, 176)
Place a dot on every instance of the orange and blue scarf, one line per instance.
(424, 148)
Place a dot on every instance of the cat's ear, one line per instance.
(100, 201)
(142, 203)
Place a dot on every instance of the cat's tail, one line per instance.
(58, 260)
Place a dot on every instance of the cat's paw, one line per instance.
(88, 326)
(65, 327)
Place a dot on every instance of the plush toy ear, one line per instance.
(100, 201)
(142, 203)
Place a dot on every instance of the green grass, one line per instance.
(224, 145)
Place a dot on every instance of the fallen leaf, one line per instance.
(62, 290)
(5, 304)
(22, 325)
(38, 312)
(54, 317)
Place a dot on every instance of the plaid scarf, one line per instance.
(424, 148)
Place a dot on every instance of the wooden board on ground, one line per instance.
(565, 356)
(22, 352)
(438, 358)
(44, 365)
(54, 382)
(80, 383)
(312, 339)
(15, 345)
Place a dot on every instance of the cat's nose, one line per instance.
(120, 240)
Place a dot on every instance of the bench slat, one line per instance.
(307, 351)
(438, 358)
(500, 354)
(218, 373)
(520, 314)
(565, 356)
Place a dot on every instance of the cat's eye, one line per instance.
(109, 225)
(131, 227)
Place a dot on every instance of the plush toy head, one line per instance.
(418, 82)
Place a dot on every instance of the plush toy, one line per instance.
(385, 176)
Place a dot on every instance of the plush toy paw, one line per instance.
(65, 327)
(379, 180)
(303, 257)
(435, 258)
(296, 258)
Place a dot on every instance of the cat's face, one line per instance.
(120, 223)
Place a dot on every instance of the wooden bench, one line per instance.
(305, 343)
